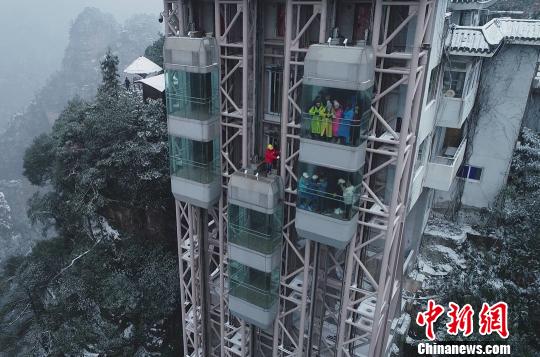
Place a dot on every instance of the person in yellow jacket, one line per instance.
(326, 119)
(316, 112)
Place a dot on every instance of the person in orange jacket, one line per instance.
(270, 156)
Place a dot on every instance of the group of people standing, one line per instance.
(332, 122)
(317, 194)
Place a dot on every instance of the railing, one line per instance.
(204, 173)
(342, 207)
(449, 160)
(442, 170)
(265, 243)
(185, 106)
(264, 298)
(337, 130)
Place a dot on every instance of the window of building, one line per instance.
(433, 84)
(280, 20)
(466, 18)
(474, 76)
(420, 155)
(274, 79)
(454, 79)
(469, 172)
(362, 19)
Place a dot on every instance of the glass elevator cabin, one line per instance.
(336, 98)
(192, 92)
(254, 231)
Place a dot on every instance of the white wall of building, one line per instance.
(429, 110)
(506, 81)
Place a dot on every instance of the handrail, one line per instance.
(193, 99)
(192, 163)
(444, 160)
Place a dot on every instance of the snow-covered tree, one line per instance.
(107, 282)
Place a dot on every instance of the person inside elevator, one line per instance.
(303, 196)
(337, 116)
(270, 155)
(326, 120)
(314, 197)
(344, 131)
(357, 121)
(322, 188)
(348, 197)
(316, 112)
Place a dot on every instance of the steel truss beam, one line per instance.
(298, 258)
(319, 287)
(234, 33)
(395, 67)
(208, 328)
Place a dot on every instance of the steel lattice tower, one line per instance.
(334, 283)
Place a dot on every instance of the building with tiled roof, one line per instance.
(469, 4)
(485, 40)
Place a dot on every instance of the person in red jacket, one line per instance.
(270, 156)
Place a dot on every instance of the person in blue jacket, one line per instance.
(303, 195)
(323, 189)
(313, 188)
(344, 130)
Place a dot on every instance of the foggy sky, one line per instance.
(34, 34)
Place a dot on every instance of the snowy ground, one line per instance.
(439, 255)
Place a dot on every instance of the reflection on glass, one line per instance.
(330, 192)
(254, 286)
(455, 81)
(192, 95)
(255, 230)
(335, 115)
(194, 160)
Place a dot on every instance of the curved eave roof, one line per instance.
(461, 5)
(142, 66)
(485, 40)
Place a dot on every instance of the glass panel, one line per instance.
(463, 171)
(433, 84)
(330, 192)
(255, 230)
(254, 286)
(455, 81)
(420, 155)
(194, 160)
(192, 95)
(336, 115)
(273, 97)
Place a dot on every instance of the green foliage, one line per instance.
(109, 72)
(37, 160)
(155, 51)
(108, 154)
(93, 287)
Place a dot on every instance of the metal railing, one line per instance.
(449, 160)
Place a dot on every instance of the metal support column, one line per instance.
(290, 328)
(398, 66)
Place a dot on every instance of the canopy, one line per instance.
(156, 82)
(142, 66)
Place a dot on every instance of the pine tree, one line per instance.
(109, 71)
